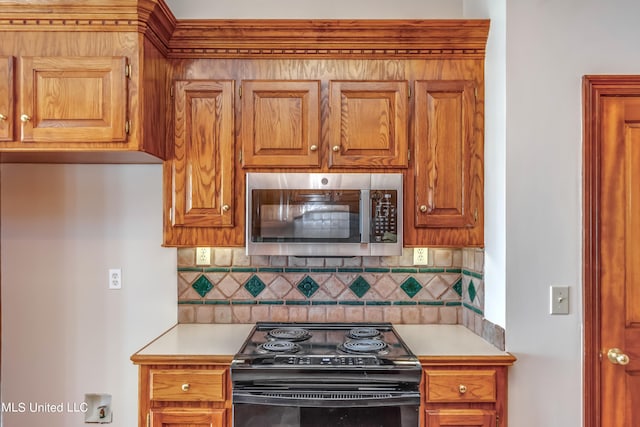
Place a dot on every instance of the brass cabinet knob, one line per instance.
(313, 148)
(2, 117)
(423, 208)
(226, 208)
(617, 357)
(25, 118)
(185, 387)
(336, 148)
(462, 388)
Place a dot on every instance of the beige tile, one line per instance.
(373, 314)
(334, 262)
(239, 257)
(385, 286)
(448, 315)
(392, 314)
(371, 261)
(335, 313)
(468, 259)
(213, 294)
(228, 286)
(315, 262)
(295, 295)
(241, 313)
(437, 287)
(457, 258)
(354, 313)
(317, 314)
(355, 261)
(222, 257)
(222, 314)
(298, 313)
(186, 257)
(333, 287)
(411, 315)
(429, 314)
(186, 314)
(279, 313)
(280, 287)
(215, 277)
(443, 257)
(319, 295)
(259, 260)
(294, 261)
(406, 259)
(204, 314)
(278, 261)
(259, 313)
(478, 261)
(390, 261)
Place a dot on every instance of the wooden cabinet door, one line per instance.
(203, 161)
(460, 418)
(6, 98)
(188, 417)
(368, 124)
(447, 173)
(73, 99)
(280, 123)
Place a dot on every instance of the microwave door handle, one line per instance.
(365, 216)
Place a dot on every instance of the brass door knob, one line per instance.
(185, 387)
(3, 117)
(25, 118)
(226, 208)
(423, 208)
(462, 388)
(617, 357)
(313, 148)
(336, 148)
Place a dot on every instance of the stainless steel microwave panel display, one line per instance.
(324, 214)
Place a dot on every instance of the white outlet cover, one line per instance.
(115, 278)
(203, 256)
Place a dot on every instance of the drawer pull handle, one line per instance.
(462, 388)
(185, 387)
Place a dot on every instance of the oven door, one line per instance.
(300, 408)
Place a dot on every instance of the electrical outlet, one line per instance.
(203, 256)
(115, 278)
(559, 300)
(420, 256)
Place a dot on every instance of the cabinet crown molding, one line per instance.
(329, 38)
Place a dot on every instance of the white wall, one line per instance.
(550, 46)
(64, 333)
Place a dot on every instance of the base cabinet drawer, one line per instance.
(181, 385)
(460, 418)
(188, 417)
(460, 386)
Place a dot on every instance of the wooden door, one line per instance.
(368, 124)
(445, 144)
(7, 89)
(188, 417)
(203, 171)
(73, 99)
(460, 418)
(612, 251)
(280, 123)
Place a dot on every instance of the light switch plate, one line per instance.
(559, 299)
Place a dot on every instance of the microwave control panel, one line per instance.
(384, 216)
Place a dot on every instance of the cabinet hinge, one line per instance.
(475, 92)
(127, 70)
(127, 127)
(409, 92)
(171, 92)
(240, 156)
(475, 215)
(497, 420)
(240, 91)
(148, 419)
(409, 155)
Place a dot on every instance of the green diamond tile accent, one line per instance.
(411, 287)
(254, 285)
(360, 286)
(472, 291)
(458, 287)
(202, 285)
(308, 286)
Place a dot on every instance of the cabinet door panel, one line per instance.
(368, 123)
(73, 99)
(444, 142)
(203, 163)
(280, 123)
(460, 418)
(188, 417)
(6, 98)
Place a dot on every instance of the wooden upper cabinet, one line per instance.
(368, 124)
(73, 99)
(446, 173)
(280, 123)
(7, 89)
(203, 164)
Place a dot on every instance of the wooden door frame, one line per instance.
(594, 87)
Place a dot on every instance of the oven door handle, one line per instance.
(327, 399)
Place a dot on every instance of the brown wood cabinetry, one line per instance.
(83, 83)
(465, 392)
(280, 123)
(179, 392)
(368, 124)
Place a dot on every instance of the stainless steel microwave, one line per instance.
(324, 214)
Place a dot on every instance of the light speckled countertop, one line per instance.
(224, 340)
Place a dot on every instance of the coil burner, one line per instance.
(364, 346)
(279, 346)
(363, 332)
(289, 334)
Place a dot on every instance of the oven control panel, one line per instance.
(331, 360)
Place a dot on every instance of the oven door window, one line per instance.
(325, 216)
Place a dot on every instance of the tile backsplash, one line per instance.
(236, 288)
